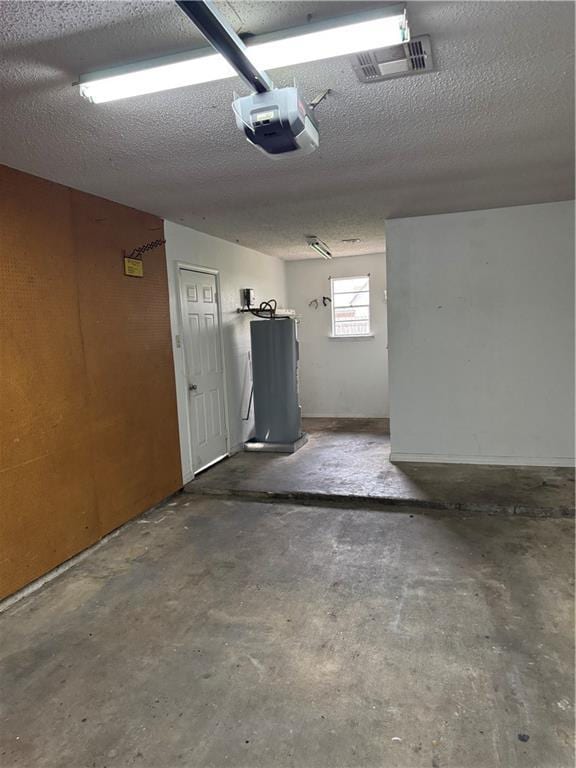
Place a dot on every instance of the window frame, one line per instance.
(369, 334)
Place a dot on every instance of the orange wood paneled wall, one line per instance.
(88, 421)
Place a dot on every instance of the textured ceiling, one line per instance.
(493, 127)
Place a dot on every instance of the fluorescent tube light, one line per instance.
(314, 42)
(328, 43)
(319, 246)
(151, 79)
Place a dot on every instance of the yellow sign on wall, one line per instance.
(133, 267)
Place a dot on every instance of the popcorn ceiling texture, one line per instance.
(492, 128)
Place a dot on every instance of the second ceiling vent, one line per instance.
(413, 58)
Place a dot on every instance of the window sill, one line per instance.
(360, 337)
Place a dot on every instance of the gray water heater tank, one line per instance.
(275, 377)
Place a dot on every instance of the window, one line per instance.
(351, 306)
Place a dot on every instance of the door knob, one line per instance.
(193, 387)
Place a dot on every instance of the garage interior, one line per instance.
(287, 384)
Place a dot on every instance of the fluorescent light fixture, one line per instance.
(324, 40)
(319, 246)
(154, 77)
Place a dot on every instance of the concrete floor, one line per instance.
(350, 459)
(213, 633)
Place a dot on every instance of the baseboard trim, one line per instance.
(513, 461)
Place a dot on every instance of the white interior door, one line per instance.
(204, 369)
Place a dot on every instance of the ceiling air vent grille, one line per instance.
(417, 54)
(413, 58)
(368, 65)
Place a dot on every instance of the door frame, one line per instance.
(178, 266)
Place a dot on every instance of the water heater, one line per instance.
(277, 415)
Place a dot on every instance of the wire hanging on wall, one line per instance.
(315, 303)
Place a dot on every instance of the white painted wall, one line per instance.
(239, 267)
(481, 322)
(340, 377)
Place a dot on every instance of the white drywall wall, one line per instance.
(340, 377)
(481, 327)
(238, 268)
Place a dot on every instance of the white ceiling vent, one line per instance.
(411, 58)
